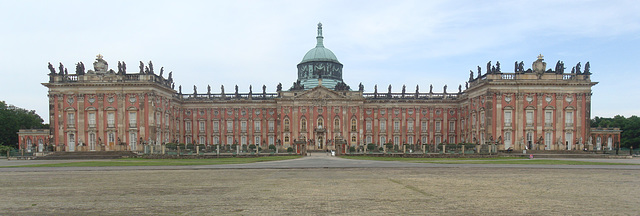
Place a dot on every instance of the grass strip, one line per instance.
(163, 162)
(497, 160)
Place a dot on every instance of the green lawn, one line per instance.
(164, 162)
(498, 160)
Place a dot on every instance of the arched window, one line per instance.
(320, 123)
(286, 124)
(353, 124)
(303, 124)
(336, 124)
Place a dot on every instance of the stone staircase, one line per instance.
(87, 155)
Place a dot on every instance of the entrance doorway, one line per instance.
(320, 142)
(72, 142)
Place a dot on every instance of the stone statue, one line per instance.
(279, 87)
(264, 91)
(146, 70)
(573, 70)
(470, 75)
(237, 95)
(208, 87)
(375, 91)
(124, 67)
(493, 69)
(150, 67)
(445, 89)
(80, 68)
(431, 89)
(173, 86)
(61, 68)
(489, 67)
(51, 69)
(66, 72)
(466, 85)
(180, 89)
(587, 69)
(417, 92)
(459, 89)
(360, 87)
(578, 66)
(521, 66)
(161, 71)
(171, 76)
(515, 68)
(250, 90)
(479, 72)
(498, 67)
(404, 89)
(195, 90)
(222, 90)
(141, 67)
(389, 92)
(119, 67)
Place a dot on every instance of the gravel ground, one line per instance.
(353, 191)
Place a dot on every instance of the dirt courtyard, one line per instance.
(358, 191)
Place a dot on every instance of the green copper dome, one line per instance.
(320, 53)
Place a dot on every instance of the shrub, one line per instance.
(371, 146)
(234, 146)
(4, 149)
(352, 149)
(289, 149)
(389, 146)
(172, 146)
(380, 149)
(272, 147)
(190, 146)
(252, 146)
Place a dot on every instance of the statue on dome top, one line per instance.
(319, 29)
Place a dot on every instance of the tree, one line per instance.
(12, 119)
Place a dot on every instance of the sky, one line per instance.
(379, 42)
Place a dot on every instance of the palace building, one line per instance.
(106, 110)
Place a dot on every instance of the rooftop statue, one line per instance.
(61, 68)
(279, 87)
(489, 67)
(141, 67)
(578, 67)
(250, 90)
(208, 86)
(417, 92)
(264, 91)
(195, 90)
(466, 85)
(124, 68)
(515, 68)
(498, 67)
(587, 69)
(431, 89)
(161, 71)
(470, 75)
(237, 95)
(119, 67)
(479, 72)
(361, 87)
(573, 70)
(171, 76)
(80, 68)
(459, 88)
(180, 89)
(150, 67)
(521, 66)
(66, 72)
(100, 65)
(404, 89)
(445, 89)
(51, 69)
(222, 91)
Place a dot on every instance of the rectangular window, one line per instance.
(529, 117)
(257, 140)
(569, 118)
(216, 140)
(396, 126)
(229, 126)
(452, 139)
(410, 126)
(158, 118)
(482, 119)
(368, 125)
(71, 120)
(396, 140)
(438, 140)
(132, 120)
(410, 139)
(369, 139)
(201, 140)
(216, 126)
(424, 126)
(187, 126)
(424, 139)
(133, 139)
(548, 119)
(271, 140)
(383, 125)
(438, 126)
(201, 126)
(229, 140)
(473, 120)
(111, 138)
(166, 120)
(243, 140)
(92, 120)
(452, 126)
(256, 126)
(243, 126)
(271, 127)
(383, 139)
(111, 119)
(507, 118)
(547, 140)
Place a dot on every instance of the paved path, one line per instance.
(320, 160)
